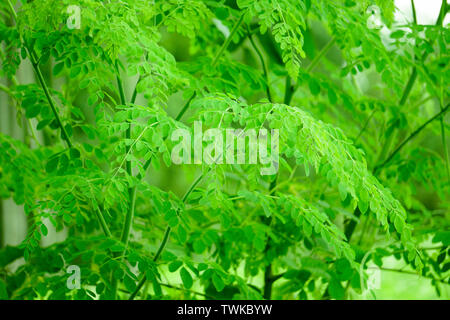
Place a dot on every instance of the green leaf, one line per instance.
(344, 270)
(332, 96)
(84, 83)
(44, 230)
(75, 71)
(129, 283)
(336, 290)
(397, 34)
(442, 236)
(67, 218)
(121, 116)
(175, 265)
(186, 278)
(52, 164)
(118, 273)
(399, 224)
(58, 68)
(218, 282)
(74, 153)
(342, 191)
(33, 111)
(314, 86)
(42, 124)
(198, 246)
(3, 292)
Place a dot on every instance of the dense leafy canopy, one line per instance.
(364, 169)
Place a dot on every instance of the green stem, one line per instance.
(129, 218)
(357, 213)
(409, 85)
(444, 144)
(363, 230)
(319, 56)
(392, 133)
(412, 135)
(268, 282)
(43, 84)
(11, 95)
(2, 225)
(264, 66)
(268, 277)
(165, 239)
(351, 226)
(441, 102)
(138, 288)
(186, 106)
(192, 187)
(6, 90)
(33, 133)
(134, 96)
(131, 190)
(228, 40)
(442, 13)
(120, 86)
(288, 91)
(49, 98)
(103, 224)
(13, 11)
(413, 7)
(187, 290)
(163, 244)
(365, 125)
(412, 273)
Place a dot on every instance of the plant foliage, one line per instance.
(359, 161)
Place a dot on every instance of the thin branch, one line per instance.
(180, 289)
(119, 85)
(319, 56)
(228, 40)
(13, 11)
(412, 273)
(134, 96)
(391, 133)
(6, 90)
(264, 66)
(441, 100)
(288, 91)
(187, 290)
(409, 85)
(316, 60)
(165, 239)
(103, 223)
(35, 64)
(444, 140)
(186, 106)
(411, 136)
(414, 12)
(49, 97)
(126, 229)
(365, 125)
(216, 59)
